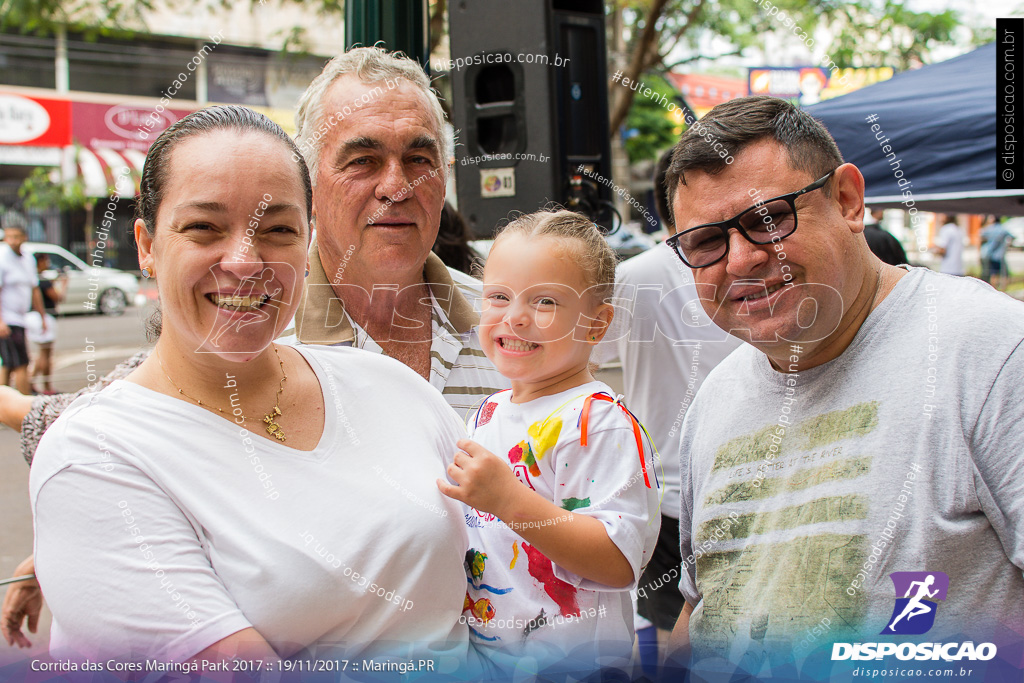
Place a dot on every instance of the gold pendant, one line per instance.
(273, 428)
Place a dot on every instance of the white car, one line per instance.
(112, 290)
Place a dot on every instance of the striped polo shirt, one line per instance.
(458, 367)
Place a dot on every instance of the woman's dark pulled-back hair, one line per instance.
(736, 124)
(209, 120)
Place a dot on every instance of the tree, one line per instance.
(895, 36)
(118, 17)
(89, 17)
(649, 34)
(40, 192)
(650, 127)
(438, 25)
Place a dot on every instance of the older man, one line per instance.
(868, 439)
(375, 139)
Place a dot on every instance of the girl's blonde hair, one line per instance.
(584, 241)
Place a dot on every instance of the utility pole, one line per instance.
(620, 160)
(398, 24)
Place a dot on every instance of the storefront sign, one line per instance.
(121, 126)
(34, 121)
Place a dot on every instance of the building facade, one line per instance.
(85, 109)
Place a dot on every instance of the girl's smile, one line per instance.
(540, 319)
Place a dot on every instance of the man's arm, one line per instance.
(5, 331)
(23, 602)
(679, 642)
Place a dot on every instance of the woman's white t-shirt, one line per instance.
(162, 528)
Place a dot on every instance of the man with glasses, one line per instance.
(667, 346)
(862, 433)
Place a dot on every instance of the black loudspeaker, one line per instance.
(530, 90)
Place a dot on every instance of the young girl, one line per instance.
(561, 483)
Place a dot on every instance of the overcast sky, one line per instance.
(990, 9)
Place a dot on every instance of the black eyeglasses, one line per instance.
(763, 223)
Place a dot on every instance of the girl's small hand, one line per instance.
(484, 481)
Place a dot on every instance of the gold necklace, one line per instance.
(273, 428)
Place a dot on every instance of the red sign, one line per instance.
(121, 126)
(34, 121)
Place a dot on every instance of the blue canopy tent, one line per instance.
(940, 122)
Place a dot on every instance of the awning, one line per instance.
(100, 169)
(926, 139)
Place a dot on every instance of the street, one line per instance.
(87, 347)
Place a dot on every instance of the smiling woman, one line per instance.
(228, 448)
(195, 222)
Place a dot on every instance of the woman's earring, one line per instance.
(147, 273)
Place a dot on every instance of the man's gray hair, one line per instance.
(13, 219)
(370, 65)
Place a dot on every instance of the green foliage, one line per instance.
(662, 35)
(38, 192)
(866, 32)
(92, 18)
(876, 33)
(324, 8)
(655, 127)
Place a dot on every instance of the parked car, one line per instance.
(112, 290)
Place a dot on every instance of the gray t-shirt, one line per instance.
(803, 492)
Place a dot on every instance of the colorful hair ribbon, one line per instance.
(585, 418)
